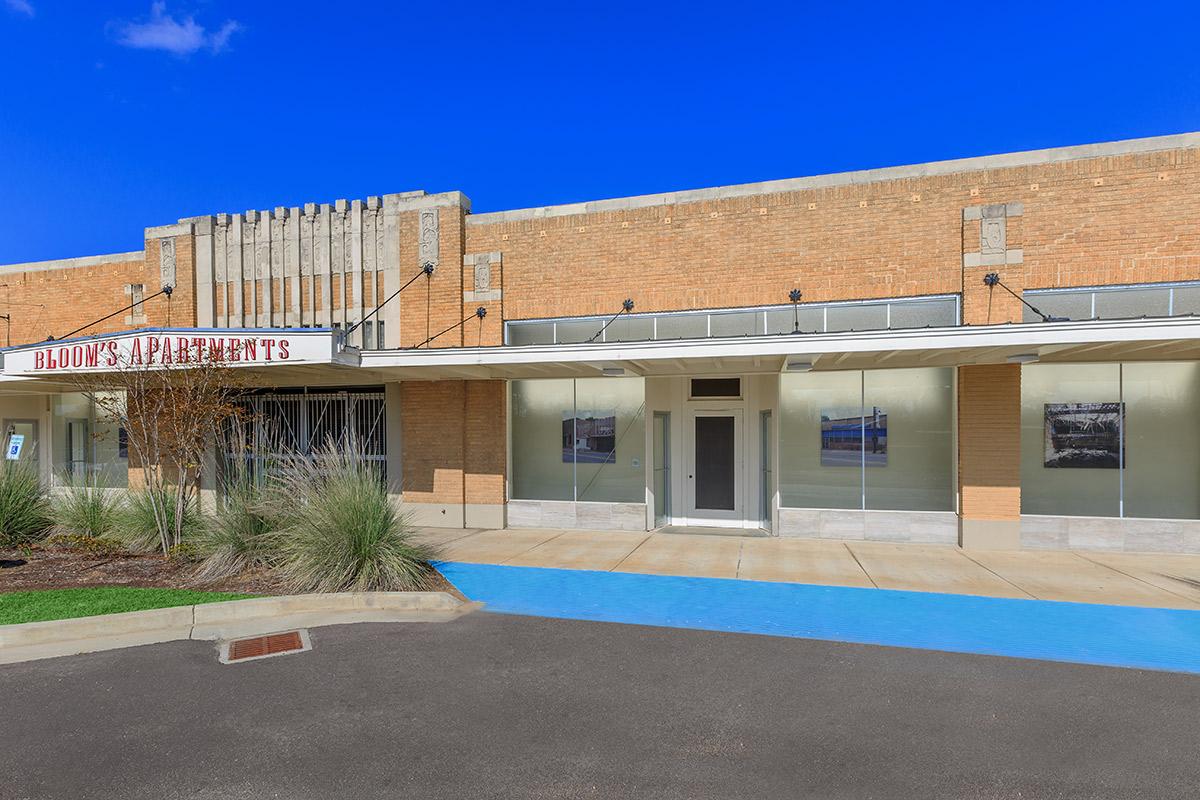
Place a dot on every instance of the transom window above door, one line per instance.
(716, 388)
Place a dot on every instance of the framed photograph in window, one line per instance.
(589, 437)
(1083, 435)
(849, 437)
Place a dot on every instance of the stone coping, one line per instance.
(215, 621)
(73, 263)
(1023, 158)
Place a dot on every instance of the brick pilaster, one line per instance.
(989, 455)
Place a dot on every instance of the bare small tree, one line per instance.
(172, 412)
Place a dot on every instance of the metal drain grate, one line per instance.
(274, 644)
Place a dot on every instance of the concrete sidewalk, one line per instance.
(1134, 579)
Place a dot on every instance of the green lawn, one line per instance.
(65, 603)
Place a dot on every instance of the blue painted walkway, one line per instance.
(1118, 636)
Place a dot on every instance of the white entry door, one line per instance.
(714, 470)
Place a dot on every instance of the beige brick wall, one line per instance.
(432, 304)
(1124, 219)
(431, 419)
(454, 441)
(485, 456)
(989, 441)
(54, 302)
(1118, 219)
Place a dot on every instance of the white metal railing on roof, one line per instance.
(1128, 301)
(918, 312)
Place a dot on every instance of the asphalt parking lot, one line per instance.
(506, 706)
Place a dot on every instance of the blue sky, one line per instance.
(119, 115)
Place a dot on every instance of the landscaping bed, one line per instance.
(44, 568)
(324, 523)
(53, 568)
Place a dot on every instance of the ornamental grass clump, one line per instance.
(238, 535)
(24, 507)
(339, 529)
(82, 511)
(139, 524)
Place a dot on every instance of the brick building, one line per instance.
(1016, 336)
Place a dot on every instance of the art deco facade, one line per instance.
(1015, 336)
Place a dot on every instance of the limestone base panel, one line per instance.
(929, 527)
(584, 516)
(1110, 534)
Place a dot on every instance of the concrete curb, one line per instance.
(214, 621)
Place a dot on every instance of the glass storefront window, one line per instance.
(579, 439)
(88, 444)
(1162, 440)
(876, 440)
(609, 470)
(1111, 440)
(1070, 439)
(910, 467)
(540, 471)
(820, 457)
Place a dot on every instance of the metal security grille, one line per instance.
(278, 425)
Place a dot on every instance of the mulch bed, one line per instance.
(49, 568)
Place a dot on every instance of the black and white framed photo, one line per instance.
(1083, 435)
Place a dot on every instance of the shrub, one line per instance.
(187, 550)
(137, 527)
(24, 509)
(83, 543)
(238, 535)
(83, 510)
(339, 530)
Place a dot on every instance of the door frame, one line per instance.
(710, 517)
(766, 466)
(665, 466)
(33, 454)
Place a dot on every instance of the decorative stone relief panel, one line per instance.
(282, 268)
(427, 238)
(137, 314)
(486, 274)
(166, 261)
(993, 235)
(262, 247)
